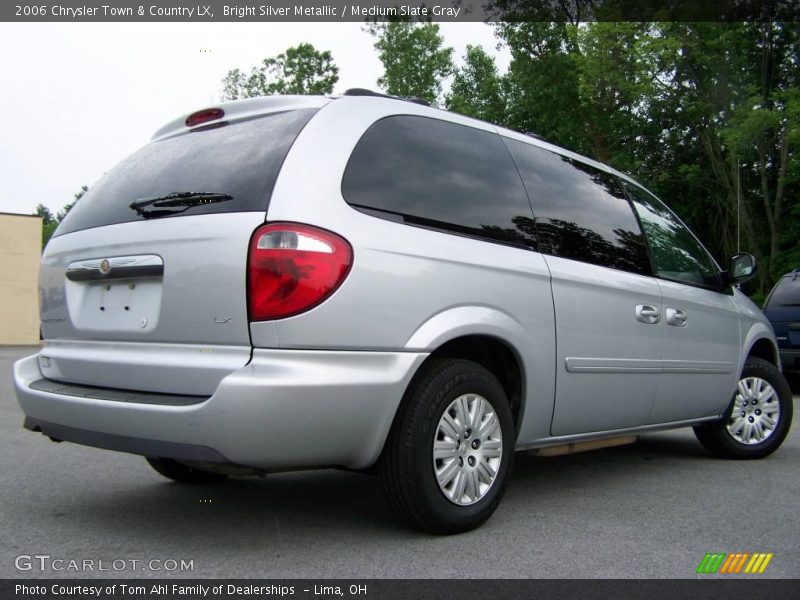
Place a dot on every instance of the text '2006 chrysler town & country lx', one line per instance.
(361, 281)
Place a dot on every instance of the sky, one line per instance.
(76, 98)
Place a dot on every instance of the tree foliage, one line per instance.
(415, 61)
(729, 113)
(477, 88)
(300, 70)
(50, 222)
(706, 114)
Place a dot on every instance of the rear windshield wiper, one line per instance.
(176, 202)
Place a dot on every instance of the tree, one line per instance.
(730, 101)
(414, 60)
(477, 89)
(706, 114)
(300, 70)
(585, 87)
(44, 212)
(762, 135)
(49, 222)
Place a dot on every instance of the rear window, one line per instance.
(241, 160)
(786, 293)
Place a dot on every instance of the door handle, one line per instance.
(676, 317)
(647, 314)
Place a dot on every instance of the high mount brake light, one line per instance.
(204, 116)
(293, 268)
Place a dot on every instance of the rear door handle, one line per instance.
(646, 313)
(676, 317)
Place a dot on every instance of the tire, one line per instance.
(408, 468)
(734, 436)
(177, 471)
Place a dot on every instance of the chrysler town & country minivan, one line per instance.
(365, 282)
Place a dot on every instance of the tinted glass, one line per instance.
(436, 173)
(581, 213)
(787, 292)
(677, 254)
(241, 160)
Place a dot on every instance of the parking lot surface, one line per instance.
(649, 510)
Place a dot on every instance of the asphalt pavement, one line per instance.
(649, 510)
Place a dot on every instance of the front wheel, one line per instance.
(758, 418)
(450, 450)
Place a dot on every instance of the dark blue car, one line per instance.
(782, 308)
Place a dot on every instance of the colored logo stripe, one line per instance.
(735, 562)
(710, 563)
(718, 562)
(758, 563)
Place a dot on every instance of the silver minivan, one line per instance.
(365, 282)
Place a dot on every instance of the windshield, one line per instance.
(240, 161)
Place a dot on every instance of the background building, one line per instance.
(20, 253)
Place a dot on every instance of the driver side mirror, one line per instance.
(741, 267)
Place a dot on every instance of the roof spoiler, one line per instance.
(365, 92)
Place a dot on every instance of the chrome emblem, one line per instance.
(105, 267)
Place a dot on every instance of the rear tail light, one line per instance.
(292, 268)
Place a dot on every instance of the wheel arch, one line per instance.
(485, 334)
(764, 348)
(759, 341)
(498, 356)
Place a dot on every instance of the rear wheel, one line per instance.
(758, 418)
(450, 450)
(177, 471)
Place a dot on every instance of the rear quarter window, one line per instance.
(442, 175)
(241, 160)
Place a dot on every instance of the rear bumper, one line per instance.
(285, 409)
(123, 443)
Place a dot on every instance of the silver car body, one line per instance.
(185, 375)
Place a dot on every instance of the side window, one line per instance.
(677, 254)
(441, 175)
(581, 213)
